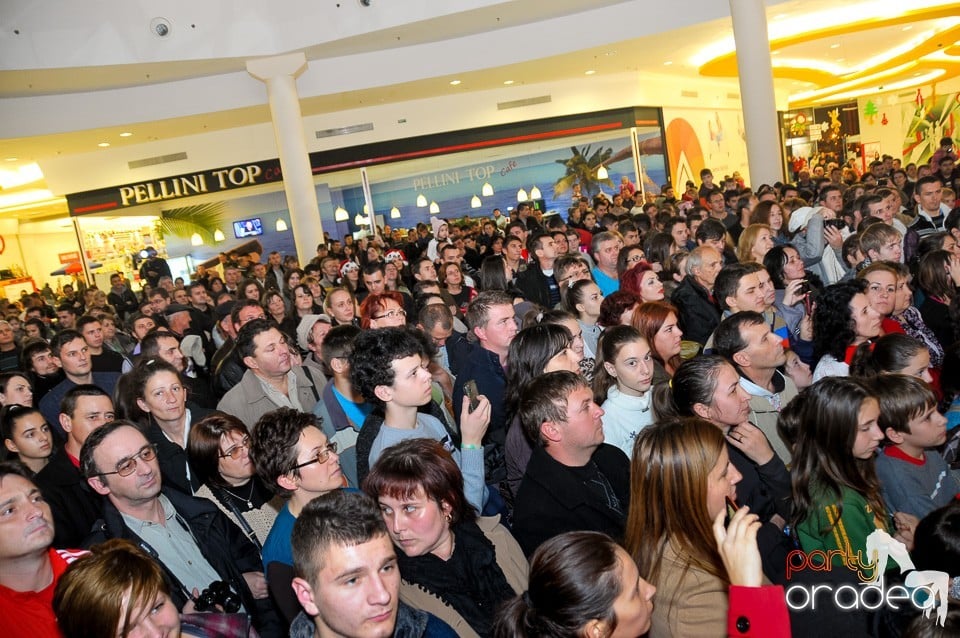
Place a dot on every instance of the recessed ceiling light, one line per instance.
(103, 144)
(590, 72)
(836, 45)
(774, 53)
(907, 28)
(454, 82)
(508, 82)
(840, 59)
(126, 134)
(11, 159)
(668, 63)
(610, 53)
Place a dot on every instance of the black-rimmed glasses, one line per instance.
(127, 466)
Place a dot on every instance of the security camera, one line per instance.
(161, 27)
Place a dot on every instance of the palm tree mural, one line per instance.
(203, 219)
(582, 168)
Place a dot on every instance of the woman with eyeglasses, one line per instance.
(155, 397)
(384, 310)
(219, 451)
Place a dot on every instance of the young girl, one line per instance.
(15, 389)
(837, 500)
(583, 299)
(27, 434)
(892, 354)
(621, 385)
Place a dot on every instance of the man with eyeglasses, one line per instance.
(271, 380)
(295, 459)
(191, 539)
(75, 508)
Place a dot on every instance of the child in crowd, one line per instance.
(914, 477)
(622, 385)
(837, 499)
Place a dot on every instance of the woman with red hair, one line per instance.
(657, 322)
(643, 281)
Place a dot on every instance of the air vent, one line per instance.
(159, 159)
(733, 96)
(689, 94)
(344, 130)
(530, 101)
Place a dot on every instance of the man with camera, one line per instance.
(194, 542)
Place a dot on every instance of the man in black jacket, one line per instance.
(537, 282)
(74, 505)
(574, 481)
(192, 540)
(699, 313)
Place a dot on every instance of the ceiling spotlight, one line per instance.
(126, 134)
(12, 159)
(668, 63)
(590, 72)
(103, 144)
(454, 82)
(508, 82)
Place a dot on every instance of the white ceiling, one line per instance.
(73, 75)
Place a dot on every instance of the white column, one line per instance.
(756, 91)
(280, 73)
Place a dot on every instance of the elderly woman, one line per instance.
(453, 564)
(219, 451)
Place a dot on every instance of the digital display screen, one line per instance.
(248, 227)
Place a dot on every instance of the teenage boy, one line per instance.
(914, 477)
(348, 582)
(388, 367)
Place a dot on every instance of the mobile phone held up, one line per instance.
(731, 510)
(470, 389)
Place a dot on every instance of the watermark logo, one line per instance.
(925, 590)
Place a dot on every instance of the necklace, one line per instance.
(246, 498)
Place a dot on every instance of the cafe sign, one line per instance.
(114, 198)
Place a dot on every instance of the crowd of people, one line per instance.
(630, 419)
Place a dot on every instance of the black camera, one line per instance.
(218, 593)
(839, 224)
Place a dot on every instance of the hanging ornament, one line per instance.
(870, 111)
(884, 121)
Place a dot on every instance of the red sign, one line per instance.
(66, 258)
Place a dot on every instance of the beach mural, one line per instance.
(704, 138)
(553, 171)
